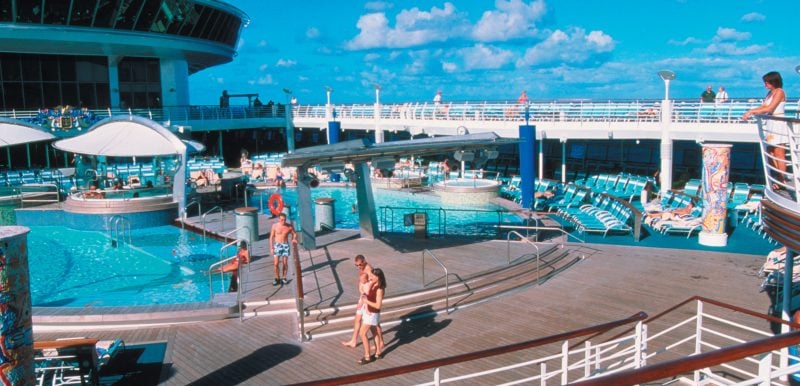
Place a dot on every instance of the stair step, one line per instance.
(462, 293)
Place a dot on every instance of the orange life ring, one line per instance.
(275, 203)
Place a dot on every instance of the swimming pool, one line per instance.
(74, 268)
(456, 216)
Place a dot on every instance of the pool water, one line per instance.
(458, 214)
(163, 265)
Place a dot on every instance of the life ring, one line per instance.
(275, 203)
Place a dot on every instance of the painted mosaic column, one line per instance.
(16, 331)
(716, 170)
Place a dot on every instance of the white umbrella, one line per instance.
(13, 132)
(124, 137)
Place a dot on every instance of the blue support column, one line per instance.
(527, 163)
(334, 128)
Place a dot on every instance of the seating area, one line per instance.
(625, 186)
(674, 213)
(73, 361)
(604, 214)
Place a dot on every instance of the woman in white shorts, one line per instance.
(371, 316)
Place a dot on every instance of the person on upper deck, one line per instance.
(708, 95)
(776, 133)
(722, 95)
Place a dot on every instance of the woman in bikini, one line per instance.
(777, 132)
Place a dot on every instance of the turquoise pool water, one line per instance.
(74, 268)
(450, 217)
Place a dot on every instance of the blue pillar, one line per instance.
(527, 163)
(333, 132)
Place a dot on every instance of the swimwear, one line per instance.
(370, 318)
(281, 249)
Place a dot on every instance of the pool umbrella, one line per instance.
(14, 132)
(124, 137)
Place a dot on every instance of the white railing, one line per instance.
(783, 185)
(645, 345)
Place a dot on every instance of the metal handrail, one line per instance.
(525, 239)
(446, 277)
(222, 217)
(22, 190)
(542, 228)
(186, 209)
(116, 229)
(219, 264)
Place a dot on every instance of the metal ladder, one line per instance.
(119, 228)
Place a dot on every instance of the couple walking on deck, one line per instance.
(371, 287)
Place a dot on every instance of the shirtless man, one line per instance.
(279, 247)
(362, 266)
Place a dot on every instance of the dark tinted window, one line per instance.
(56, 11)
(148, 15)
(129, 10)
(106, 13)
(5, 10)
(82, 12)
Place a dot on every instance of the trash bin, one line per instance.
(420, 225)
(246, 217)
(324, 218)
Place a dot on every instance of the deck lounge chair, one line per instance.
(73, 361)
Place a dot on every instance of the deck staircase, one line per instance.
(321, 320)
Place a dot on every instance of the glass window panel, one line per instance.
(139, 71)
(5, 10)
(201, 22)
(67, 66)
(232, 32)
(125, 71)
(50, 68)
(32, 95)
(12, 95)
(11, 69)
(88, 98)
(178, 14)
(192, 15)
(153, 71)
(148, 15)
(128, 13)
(30, 68)
(106, 12)
(103, 96)
(139, 100)
(211, 20)
(52, 95)
(222, 22)
(29, 12)
(82, 12)
(69, 94)
(56, 11)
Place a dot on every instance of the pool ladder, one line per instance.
(119, 229)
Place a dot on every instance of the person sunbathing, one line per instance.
(672, 214)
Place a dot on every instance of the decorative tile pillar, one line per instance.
(716, 171)
(16, 331)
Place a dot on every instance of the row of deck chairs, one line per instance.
(623, 185)
(687, 224)
(739, 193)
(513, 192)
(32, 176)
(604, 214)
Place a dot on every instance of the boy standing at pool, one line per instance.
(279, 247)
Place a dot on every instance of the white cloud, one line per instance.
(574, 48)
(413, 27)
(285, 63)
(371, 56)
(376, 6)
(733, 49)
(266, 79)
(263, 67)
(312, 33)
(261, 44)
(753, 16)
(449, 67)
(726, 34)
(684, 42)
(302, 78)
(512, 19)
(482, 56)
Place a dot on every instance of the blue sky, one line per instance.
(492, 50)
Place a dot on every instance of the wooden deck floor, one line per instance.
(613, 282)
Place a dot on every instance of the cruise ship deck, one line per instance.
(611, 282)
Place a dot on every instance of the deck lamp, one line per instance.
(797, 69)
(666, 76)
(328, 92)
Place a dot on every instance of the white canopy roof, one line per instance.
(14, 132)
(124, 137)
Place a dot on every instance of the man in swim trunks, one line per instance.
(279, 247)
(362, 266)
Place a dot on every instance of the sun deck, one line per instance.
(613, 282)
